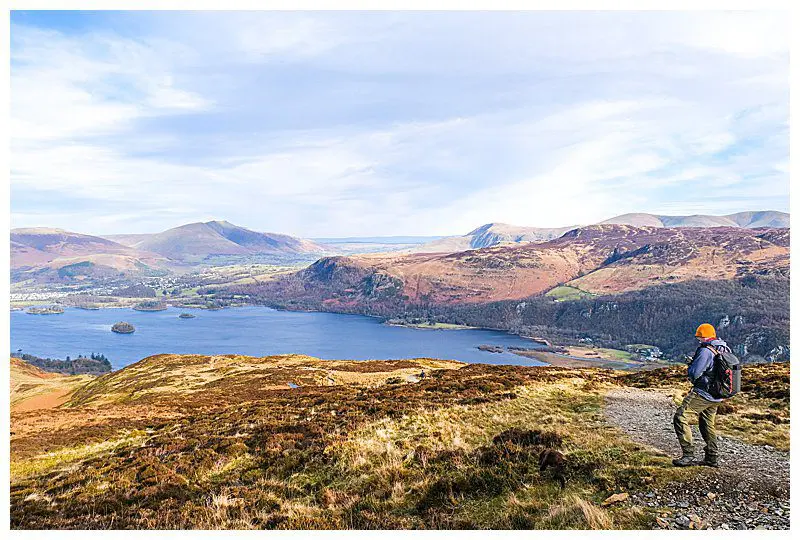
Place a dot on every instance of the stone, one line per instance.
(617, 497)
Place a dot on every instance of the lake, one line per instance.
(253, 331)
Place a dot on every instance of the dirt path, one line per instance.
(750, 490)
(43, 401)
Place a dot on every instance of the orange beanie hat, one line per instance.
(705, 331)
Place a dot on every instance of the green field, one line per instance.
(565, 292)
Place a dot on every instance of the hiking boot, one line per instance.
(709, 462)
(684, 461)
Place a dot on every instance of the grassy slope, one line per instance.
(33, 388)
(566, 292)
(165, 444)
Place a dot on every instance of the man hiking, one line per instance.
(700, 400)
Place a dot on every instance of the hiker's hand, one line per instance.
(687, 359)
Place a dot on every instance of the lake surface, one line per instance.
(253, 331)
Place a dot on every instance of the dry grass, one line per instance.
(49, 461)
(457, 449)
(32, 388)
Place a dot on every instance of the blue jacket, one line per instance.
(700, 369)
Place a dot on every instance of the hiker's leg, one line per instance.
(708, 430)
(681, 424)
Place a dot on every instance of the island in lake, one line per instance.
(45, 310)
(123, 328)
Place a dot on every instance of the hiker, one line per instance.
(704, 397)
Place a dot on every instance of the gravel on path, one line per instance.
(750, 489)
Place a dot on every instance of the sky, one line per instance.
(325, 124)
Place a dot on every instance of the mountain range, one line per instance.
(599, 259)
(47, 251)
(747, 220)
(493, 234)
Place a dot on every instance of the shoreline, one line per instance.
(572, 360)
(437, 326)
(567, 361)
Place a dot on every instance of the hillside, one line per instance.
(34, 389)
(598, 259)
(197, 241)
(614, 284)
(225, 442)
(46, 254)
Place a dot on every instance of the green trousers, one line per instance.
(707, 412)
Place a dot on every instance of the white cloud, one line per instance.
(345, 124)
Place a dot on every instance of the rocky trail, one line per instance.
(750, 489)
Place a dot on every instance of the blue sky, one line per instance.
(324, 124)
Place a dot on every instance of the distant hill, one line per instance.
(47, 243)
(493, 234)
(196, 241)
(57, 254)
(747, 220)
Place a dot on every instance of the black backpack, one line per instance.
(725, 379)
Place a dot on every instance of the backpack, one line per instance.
(725, 379)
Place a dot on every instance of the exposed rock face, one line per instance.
(123, 328)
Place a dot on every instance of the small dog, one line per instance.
(555, 460)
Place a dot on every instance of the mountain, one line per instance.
(46, 253)
(196, 241)
(747, 220)
(598, 259)
(46, 243)
(488, 235)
